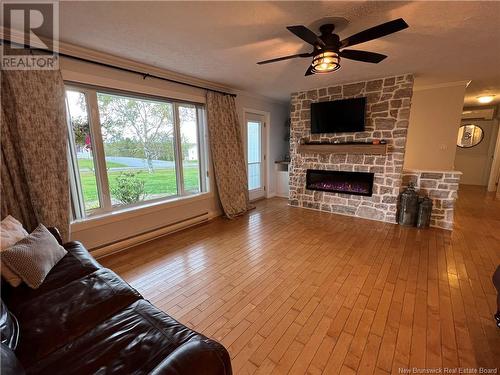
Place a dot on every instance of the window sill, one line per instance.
(129, 212)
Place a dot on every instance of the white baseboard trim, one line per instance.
(126, 243)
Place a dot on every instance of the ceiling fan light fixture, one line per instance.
(326, 62)
(328, 48)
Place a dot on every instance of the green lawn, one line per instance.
(89, 164)
(160, 183)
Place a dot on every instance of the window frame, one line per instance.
(99, 155)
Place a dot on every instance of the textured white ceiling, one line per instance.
(222, 41)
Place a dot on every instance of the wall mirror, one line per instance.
(469, 135)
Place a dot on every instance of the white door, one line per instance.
(255, 136)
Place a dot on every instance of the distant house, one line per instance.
(192, 152)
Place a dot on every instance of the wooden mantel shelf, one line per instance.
(360, 148)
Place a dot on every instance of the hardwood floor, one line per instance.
(289, 290)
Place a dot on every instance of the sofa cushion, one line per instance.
(9, 327)
(57, 317)
(135, 341)
(75, 264)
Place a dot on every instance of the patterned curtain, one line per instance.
(227, 154)
(34, 168)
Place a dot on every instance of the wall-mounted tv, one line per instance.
(339, 116)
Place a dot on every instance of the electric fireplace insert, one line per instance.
(356, 183)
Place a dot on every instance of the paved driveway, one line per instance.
(136, 163)
(140, 163)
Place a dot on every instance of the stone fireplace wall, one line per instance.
(441, 187)
(387, 117)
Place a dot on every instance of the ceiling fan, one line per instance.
(328, 48)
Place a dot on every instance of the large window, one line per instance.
(126, 149)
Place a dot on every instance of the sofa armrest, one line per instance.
(9, 364)
(55, 232)
(205, 357)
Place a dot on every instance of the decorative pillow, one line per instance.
(11, 231)
(33, 257)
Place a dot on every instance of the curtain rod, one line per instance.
(144, 75)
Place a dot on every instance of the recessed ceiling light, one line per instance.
(485, 99)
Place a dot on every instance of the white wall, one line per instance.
(434, 120)
(475, 162)
(494, 180)
(98, 232)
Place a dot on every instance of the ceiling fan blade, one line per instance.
(374, 32)
(369, 57)
(309, 71)
(306, 35)
(285, 58)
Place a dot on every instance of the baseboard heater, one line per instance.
(137, 239)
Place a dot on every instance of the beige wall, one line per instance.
(434, 121)
(494, 180)
(102, 231)
(475, 162)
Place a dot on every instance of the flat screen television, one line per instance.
(339, 116)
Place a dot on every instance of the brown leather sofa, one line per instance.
(84, 319)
